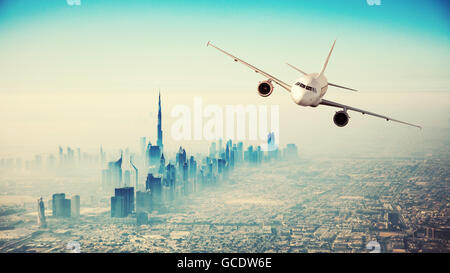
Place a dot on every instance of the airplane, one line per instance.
(309, 90)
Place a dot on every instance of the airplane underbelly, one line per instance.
(309, 99)
(297, 95)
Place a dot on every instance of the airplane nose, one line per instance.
(297, 95)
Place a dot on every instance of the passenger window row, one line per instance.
(307, 87)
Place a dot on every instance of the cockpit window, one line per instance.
(310, 88)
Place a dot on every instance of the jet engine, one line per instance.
(265, 88)
(341, 118)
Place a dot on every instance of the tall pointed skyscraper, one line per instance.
(41, 213)
(160, 133)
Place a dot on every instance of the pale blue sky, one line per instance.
(78, 75)
(141, 45)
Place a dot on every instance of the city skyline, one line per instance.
(68, 70)
(121, 131)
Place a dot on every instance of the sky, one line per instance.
(78, 75)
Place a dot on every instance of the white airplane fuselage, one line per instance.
(308, 90)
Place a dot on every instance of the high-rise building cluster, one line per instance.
(63, 207)
(112, 176)
(122, 203)
(168, 180)
(164, 181)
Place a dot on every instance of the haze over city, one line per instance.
(80, 115)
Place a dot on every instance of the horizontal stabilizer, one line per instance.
(298, 69)
(343, 87)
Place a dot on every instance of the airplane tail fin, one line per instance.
(296, 68)
(328, 58)
(343, 87)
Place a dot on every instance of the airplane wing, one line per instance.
(343, 87)
(236, 59)
(345, 107)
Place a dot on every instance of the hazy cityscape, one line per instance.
(227, 127)
(232, 199)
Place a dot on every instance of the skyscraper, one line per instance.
(41, 213)
(60, 205)
(192, 167)
(55, 197)
(153, 183)
(155, 186)
(137, 175)
(162, 164)
(159, 141)
(75, 206)
(185, 172)
(143, 201)
(127, 178)
(272, 148)
(169, 179)
(102, 156)
(61, 155)
(143, 145)
(118, 206)
(122, 204)
(141, 218)
(290, 152)
(181, 157)
(154, 154)
(212, 149)
(115, 173)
